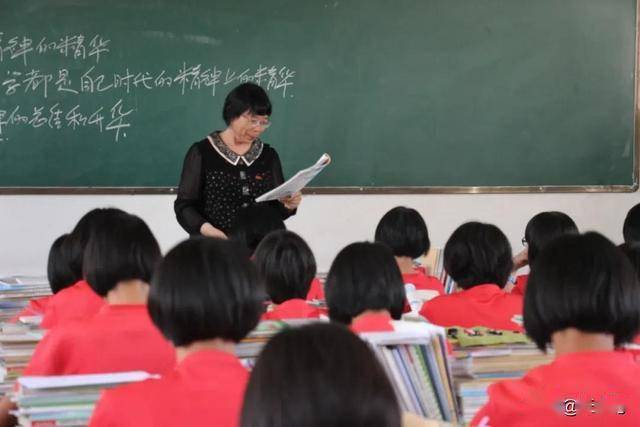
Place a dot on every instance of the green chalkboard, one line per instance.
(403, 94)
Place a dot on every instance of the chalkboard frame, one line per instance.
(396, 190)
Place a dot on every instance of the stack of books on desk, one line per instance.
(16, 291)
(482, 356)
(66, 400)
(415, 358)
(17, 343)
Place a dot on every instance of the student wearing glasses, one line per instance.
(227, 170)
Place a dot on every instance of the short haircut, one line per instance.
(476, 254)
(583, 282)
(121, 247)
(544, 228)
(286, 264)
(246, 97)
(205, 288)
(631, 228)
(404, 231)
(364, 276)
(253, 223)
(79, 237)
(59, 270)
(319, 375)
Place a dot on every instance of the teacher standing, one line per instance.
(228, 169)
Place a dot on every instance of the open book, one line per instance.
(296, 182)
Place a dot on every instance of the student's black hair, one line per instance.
(59, 270)
(246, 97)
(286, 264)
(121, 247)
(253, 223)
(478, 253)
(364, 276)
(404, 231)
(544, 228)
(79, 237)
(631, 228)
(583, 282)
(319, 375)
(205, 288)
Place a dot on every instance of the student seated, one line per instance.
(253, 223)
(405, 232)
(59, 274)
(287, 266)
(205, 298)
(319, 375)
(541, 229)
(118, 263)
(79, 300)
(364, 288)
(583, 300)
(477, 256)
(631, 233)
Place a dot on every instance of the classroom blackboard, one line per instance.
(406, 95)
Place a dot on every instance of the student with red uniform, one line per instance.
(287, 266)
(319, 375)
(477, 256)
(583, 300)
(79, 300)
(118, 262)
(364, 288)
(59, 274)
(205, 298)
(405, 232)
(540, 231)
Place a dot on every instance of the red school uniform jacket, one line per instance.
(76, 302)
(292, 309)
(375, 322)
(576, 389)
(521, 285)
(205, 389)
(117, 338)
(316, 290)
(483, 305)
(36, 307)
(423, 282)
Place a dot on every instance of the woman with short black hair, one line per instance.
(477, 256)
(319, 375)
(287, 267)
(364, 287)
(583, 300)
(228, 169)
(542, 229)
(205, 297)
(405, 232)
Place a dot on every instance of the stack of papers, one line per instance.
(415, 358)
(483, 356)
(297, 182)
(16, 291)
(17, 343)
(66, 400)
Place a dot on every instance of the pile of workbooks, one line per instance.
(415, 358)
(16, 291)
(66, 400)
(17, 343)
(483, 356)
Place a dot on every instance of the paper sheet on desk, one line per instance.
(296, 182)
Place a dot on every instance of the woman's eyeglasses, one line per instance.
(257, 122)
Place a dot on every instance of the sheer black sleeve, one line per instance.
(189, 197)
(278, 178)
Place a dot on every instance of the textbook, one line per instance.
(296, 182)
(65, 400)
